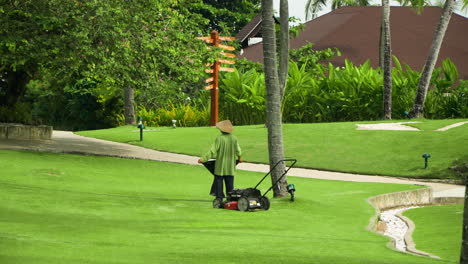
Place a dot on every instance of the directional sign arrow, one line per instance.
(226, 47)
(209, 87)
(209, 70)
(227, 69)
(230, 55)
(209, 80)
(227, 38)
(206, 39)
(227, 61)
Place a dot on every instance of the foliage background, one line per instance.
(66, 63)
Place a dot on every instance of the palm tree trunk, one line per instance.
(129, 108)
(284, 46)
(381, 46)
(273, 104)
(387, 61)
(418, 106)
(464, 246)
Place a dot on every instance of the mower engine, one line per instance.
(248, 199)
(243, 200)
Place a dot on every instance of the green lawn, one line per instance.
(59, 208)
(436, 228)
(328, 146)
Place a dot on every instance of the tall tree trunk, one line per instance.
(381, 45)
(14, 85)
(423, 85)
(284, 46)
(273, 105)
(464, 246)
(129, 108)
(387, 61)
(462, 170)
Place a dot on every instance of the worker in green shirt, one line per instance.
(226, 151)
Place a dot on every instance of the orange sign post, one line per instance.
(215, 40)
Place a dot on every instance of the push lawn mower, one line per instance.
(251, 198)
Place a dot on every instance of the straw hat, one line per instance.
(225, 126)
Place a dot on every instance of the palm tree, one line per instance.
(464, 245)
(284, 46)
(462, 171)
(313, 7)
(386, 56)
(423, 85)
(273, 115)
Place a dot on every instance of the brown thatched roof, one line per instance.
(355, 32)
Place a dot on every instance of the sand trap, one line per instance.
(387, 126)
(401, 126)
(452, 126)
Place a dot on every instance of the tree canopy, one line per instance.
(226, 16)
(149, 45)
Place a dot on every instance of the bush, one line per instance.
(242, 97)
(74, 108)
(185, 114)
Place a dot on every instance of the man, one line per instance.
(226, 151)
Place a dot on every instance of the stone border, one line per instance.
(18, 131)
(419, 197)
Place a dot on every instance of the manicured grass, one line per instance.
(328, 146)
(436, 228)
(59, 208)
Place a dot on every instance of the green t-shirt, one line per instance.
(226, 151)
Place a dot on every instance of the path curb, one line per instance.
(419, 197)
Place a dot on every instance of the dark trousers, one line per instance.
(217, 186)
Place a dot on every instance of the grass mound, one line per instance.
(59, 208)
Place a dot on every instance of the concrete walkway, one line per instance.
(67, 142)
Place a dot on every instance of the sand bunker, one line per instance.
(388, 126)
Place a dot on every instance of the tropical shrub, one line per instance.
(185, 114)
(242, 97)
(404, 85)
(350, 93)
(451, 104)
(334, 94)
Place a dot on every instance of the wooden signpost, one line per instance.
(215, 40)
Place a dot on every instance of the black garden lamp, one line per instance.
(141, 127)
(426, 156)
(406, 114)
(291, 190)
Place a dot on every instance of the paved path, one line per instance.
(67, 142)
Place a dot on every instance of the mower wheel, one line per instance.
(264, 203)
(218, 203)
(243, 204)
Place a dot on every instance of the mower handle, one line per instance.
(283, 160)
